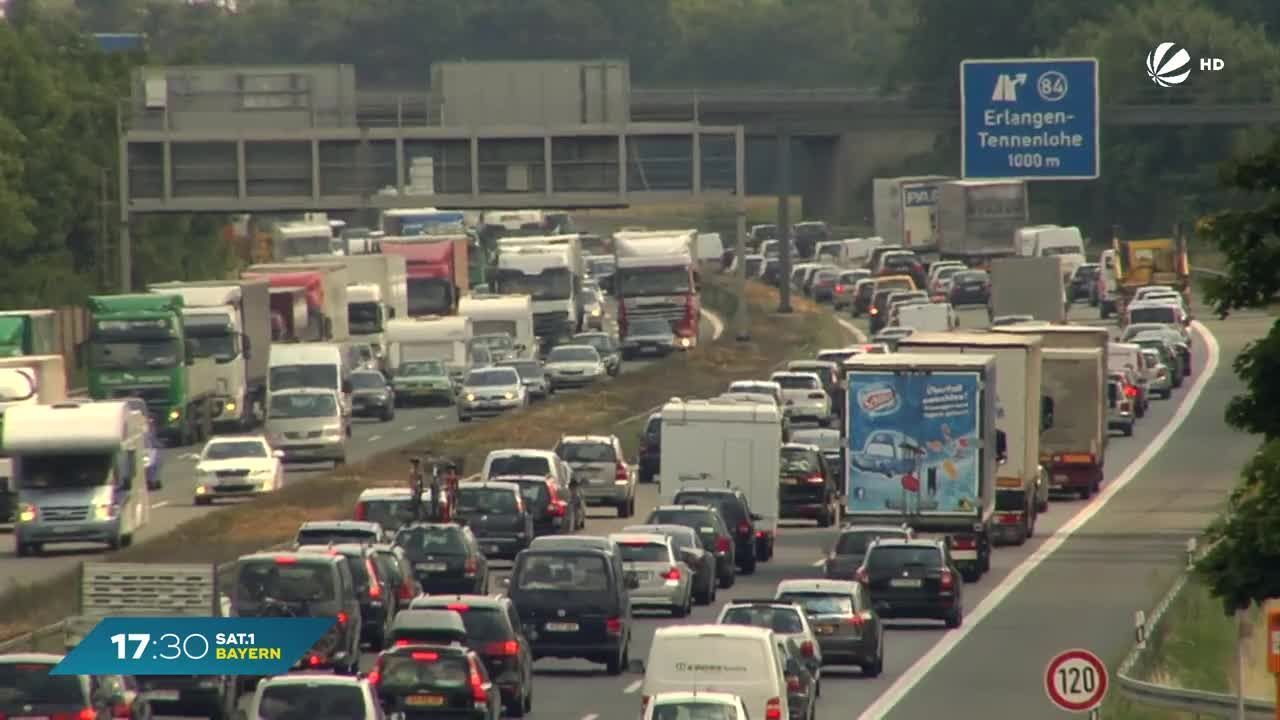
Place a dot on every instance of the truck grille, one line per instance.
(668, 312)
(156, 397)
(64, 514)
(232, 473)
(549, 322)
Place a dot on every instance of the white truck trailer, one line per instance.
(550, 269)
(377, 292)
(509, 314)
(1028, 286)
(291, 240)
(905, 209)
(978, 219)
(1074, 449)
(446, 338)
(325, 288)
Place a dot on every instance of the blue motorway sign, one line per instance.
(1029, 118)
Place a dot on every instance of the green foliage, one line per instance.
(1240, 567)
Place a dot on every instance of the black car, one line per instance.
(806, 487)
(395, 566)
(688, 547)
(1084, 282)
(372, 396)
(494, 632)
(901, 263)
(603, 342)
(573, 604)
(418, 626)
(420, 681)
(712, 531)
(374, 589)
(28, 690)
(650, 448)
(498, 516)
(850, 548)
(446, 558)
(539, 499)
(913, 579)
(877, 313)
(289, 584)
(971, 287)
(772, 272)
(862, 297)
(327, 532)
(752, 544)
(848, 629)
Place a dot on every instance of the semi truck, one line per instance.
(378, 292)
(138, 347)
(978, 219)
(29, 332)
(1028, 286)
(1158, 261)
(408, 222)
(906, 209)
(436, 271)
(291, 240)
(509, 314)
(1073, 451)
(229, 321)
(549, 269)
(922, 448)
(1022, 413)
(655, 276)
(325, 287)
(443, 338)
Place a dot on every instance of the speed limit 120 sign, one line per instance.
(1076, 681)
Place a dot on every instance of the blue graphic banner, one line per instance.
(913, 442)
(193, 646)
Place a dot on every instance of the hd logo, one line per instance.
(1169, 65)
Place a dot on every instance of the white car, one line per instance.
(1142, 292)
(573, 366)
(695, 706)
(804, 397)
(337, 695)
(786, 619)
(237, 466)
(1159, 378)
(491, 391)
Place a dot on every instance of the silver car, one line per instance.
(664, 581)
(308, 425)
(805, 397)
(491, 391)
(1159, 377)
(532, 375)
(604, 476)
(648, 336)
(574, 366)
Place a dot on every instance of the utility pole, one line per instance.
(742, 318)
(784, 218)
(126, 242)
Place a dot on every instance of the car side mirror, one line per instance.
(189, 349)
(1046, 413)
(391, 313)
(1002, 447)
(277, 454)
(246, 346)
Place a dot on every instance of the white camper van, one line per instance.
(432, 337)
(79, 472)
(508, 314)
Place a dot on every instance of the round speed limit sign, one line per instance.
(1076, 681)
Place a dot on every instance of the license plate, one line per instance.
(788, 481)
(161, 695)
(562, 627)
(431, 567)
(905, 582)
(1060, 479)
(824, 629)
(492, 548)
(64, 530)
(425, 700)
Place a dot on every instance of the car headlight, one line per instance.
(332, 431)
(509, 395)
(595, 312)
(470, 397)
(105, 511)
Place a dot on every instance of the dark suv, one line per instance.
(494, 631)
(429, 681)
(650, 448)
(913, 579)
(374, 588)
(324, 532)
(750, 545)
(498, 515)
(715, 535)
(290, 584)
(572, 604)
(446, 557)
(807, 487)
(850, 548)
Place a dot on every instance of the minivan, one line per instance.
(308, 425)
(737, 659)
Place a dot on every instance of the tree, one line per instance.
(1240, 567)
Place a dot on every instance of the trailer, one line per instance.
(978, 219)
(1073, 451)
(905, 210)
(325, 285)
(1028, 286)
(377, 292)
(29, 332)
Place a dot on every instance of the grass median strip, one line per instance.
(226, 533)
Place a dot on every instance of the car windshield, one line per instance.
(728, 505)
(286, 580)
(586, 452)
(946, 272)
(495, 377)
(903, 556)
(694, 710)
(796, 382)
(484, 624)
(489, 501)
(573, 354)
(326, 535)
(741, 387)
(496, 342)
(1163, 314)
(644, 551)
(969, 277)
(856, 542)
(421, 541)
(390, 513)
(424, 669)
(778, 619)
(519, 465)
(564, 571)
(820, 603)
(31, 684)
(233, 449)
(367, 381)
(311, 701)
(600, 342)
(526, 369)
(424, 367)
(700, 520)
(309, 405)
(535, 493)
(798, 462)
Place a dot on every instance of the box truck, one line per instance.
(325, 289)
(1028, 286)
(978, 219)
(1073, 451)
(905, 209)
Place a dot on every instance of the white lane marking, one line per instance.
(441, 416)
(160, 504)
(633, 687)
(592, 716)
(375, 438)
(819, 562)
(410, 428)
(858, 335)
(717, 325)
(917, 672)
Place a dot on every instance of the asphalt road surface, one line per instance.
(172, 505)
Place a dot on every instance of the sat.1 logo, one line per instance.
(1169, 65)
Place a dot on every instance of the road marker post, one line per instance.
(1076, 681)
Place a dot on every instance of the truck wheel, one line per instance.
(1086, 492)
(1128, 430)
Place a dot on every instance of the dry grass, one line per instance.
(227, 533)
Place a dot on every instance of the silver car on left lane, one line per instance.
(664, 581)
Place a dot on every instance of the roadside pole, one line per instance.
(784, 218)
(742, 319)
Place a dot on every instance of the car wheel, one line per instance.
(515, 708)
(200, 500)
(528, 695)
(955, 618)
(463, 418)
(1128, 430)
(615, 665)
(727, 581)
(1086, 492)
(749, 566)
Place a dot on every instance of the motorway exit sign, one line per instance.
(1030, 119)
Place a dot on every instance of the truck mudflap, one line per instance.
(971, 552)
(1075, 473)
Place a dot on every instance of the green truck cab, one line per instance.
(28, 332)
(137, 347)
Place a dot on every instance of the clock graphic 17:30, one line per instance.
(169, 646)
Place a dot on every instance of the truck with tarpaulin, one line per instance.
(905, 209)
(1158, 261)
(549, 269)
(1022, 412)
(655, 276)
(921, 448)
(436, 271)
(1074, 450)
(229, 321)
(138, 347)
(325, 287)
(979, 219)
(1028, 286)
(29, 332)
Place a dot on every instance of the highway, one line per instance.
(1075, 584)
(172, 505)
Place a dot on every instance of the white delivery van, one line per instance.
(858, 250)
(1064, 243)
(724, 444)
(298, 366)
(740, 660)
(928, 317)
(432, 337)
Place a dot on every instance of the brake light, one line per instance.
(120, 710)
(613, 626)
(342, 618)
(508, 648)
(470, 568)
(457, 607)
(744, 528)
(620, 472)
(964, 543)
(861, 576)
(479, 693)
(840, 289)
(375, 585)
(286, 560)
(672, 574)
(557, 508)
(947, 580)
(375, 675)
(856, 620)
(1011, 518)
(406, 591)
(773, 709)
(404, 643)
(313, 661)
(816, 479)
(875, 310)
(793, 684)
(1130, 391)
(423, 656)
(806, 649)
(362, 511)
(723, 545)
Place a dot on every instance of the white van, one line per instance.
(1108, 284)
(320, 366)
(928, 317)
(733, 659)
(1064, 243)
(858, 250)
(1127, 358)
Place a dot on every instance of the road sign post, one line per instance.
(1030, 119)
(1076, 681)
